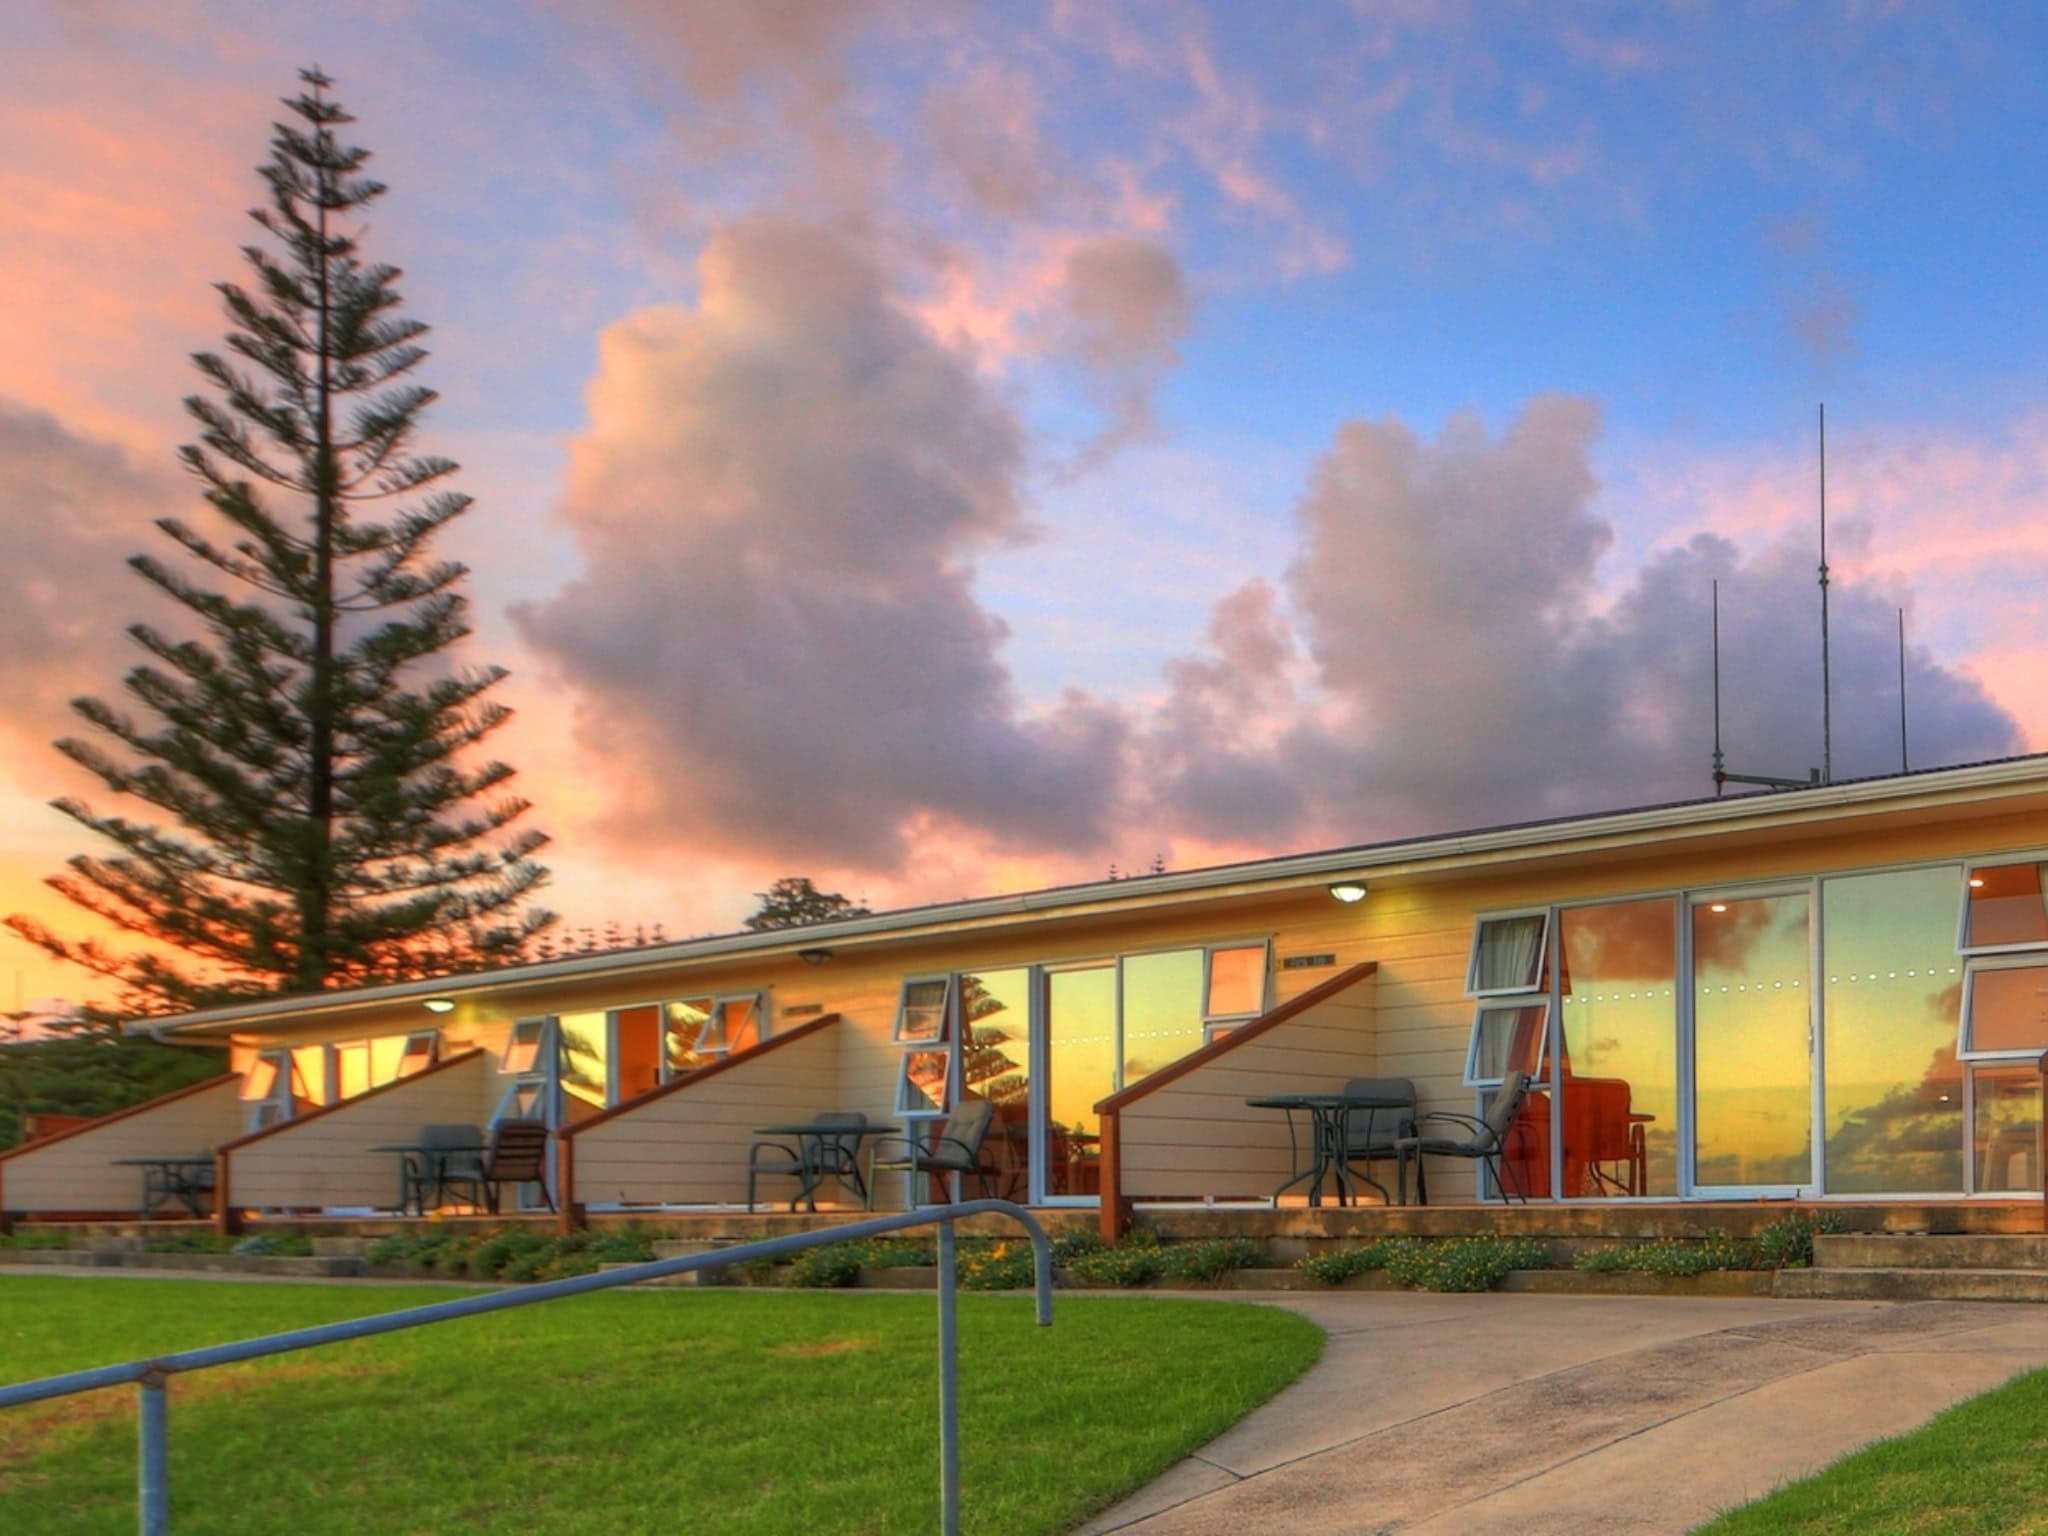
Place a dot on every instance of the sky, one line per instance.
(946, 448)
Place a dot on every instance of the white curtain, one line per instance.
(1510, 950)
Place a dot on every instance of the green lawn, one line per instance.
(1978, 1468)
(712, 1411)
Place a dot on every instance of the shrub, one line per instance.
(1212, 1258)
(491, 1257)
(1069, 1246)
(1788, 1243)
(1463, 1263)
(1130, 1263)
(832, 1266)
(1006, 1265)
(897, 1253)
(1335, 1268)
(31, 1239)
(1667, 1256)
(1445, 1264)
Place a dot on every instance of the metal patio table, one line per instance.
(1330, 1138)
(811, 1137)
(164, 1179)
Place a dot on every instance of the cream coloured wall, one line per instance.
(326, 1158)
(77, 1171)
(688, 1145)
(1195, 1135)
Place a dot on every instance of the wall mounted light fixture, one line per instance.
(1348, 891)
(814, 956)
(439, 1005)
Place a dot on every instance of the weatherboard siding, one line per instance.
(689, 1146)
(327, 1160)
(77, 1172)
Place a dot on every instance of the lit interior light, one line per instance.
(439, 1005)
(1976, 882)
(1719, 906)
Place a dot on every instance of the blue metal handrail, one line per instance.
(150, 1375)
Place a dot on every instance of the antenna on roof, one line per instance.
(1826, 772)
(1905, 764)
(1827, 723)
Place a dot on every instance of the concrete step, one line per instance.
(1841, 1284)
(1921, 1250)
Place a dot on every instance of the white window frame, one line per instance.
(2005, 960)
(713, 1041)
(1539, 1076)
(278, 1105)
(431, 1038)
(1963, 945)
(1532, 987)
(949, 992)
(1215, 1024)
(911, 1102)
(542, 1034)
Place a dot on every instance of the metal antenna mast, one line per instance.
(1905, 763)
(1719, 776)
(1827, 724)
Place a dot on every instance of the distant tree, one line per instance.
(323, 822)
(52, 1063)
(793, 902)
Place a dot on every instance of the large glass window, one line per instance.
(1891, 996)
(636, 1051)
(1080, 1067)
(1508, 954)
(1618, 1047)
(586, 1063)
(2005, 1138)
(995, 1064)
(1162, 1002)
(360, 1065)
(1752, 1041)
(2003, 907)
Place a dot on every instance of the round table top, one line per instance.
(812, 1128)
(1330, 1101)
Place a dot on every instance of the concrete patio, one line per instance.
(1445, 1415)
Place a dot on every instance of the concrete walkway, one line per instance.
(1448, 1415)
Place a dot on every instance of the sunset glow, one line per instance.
(942, 450)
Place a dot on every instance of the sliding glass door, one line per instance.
(1752, 1018)
(1080, 1069)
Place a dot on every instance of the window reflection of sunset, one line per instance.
(1752, 1055)
(1891, 994)
(1619, 982)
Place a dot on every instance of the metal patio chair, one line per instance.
(954, 1152)
(1376, 1134)
(518, 1154)
(1486, 1140)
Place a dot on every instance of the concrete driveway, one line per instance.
(1435, 1415)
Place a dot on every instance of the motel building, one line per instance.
(1834, 995)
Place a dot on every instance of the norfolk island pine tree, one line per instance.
(324, 823)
